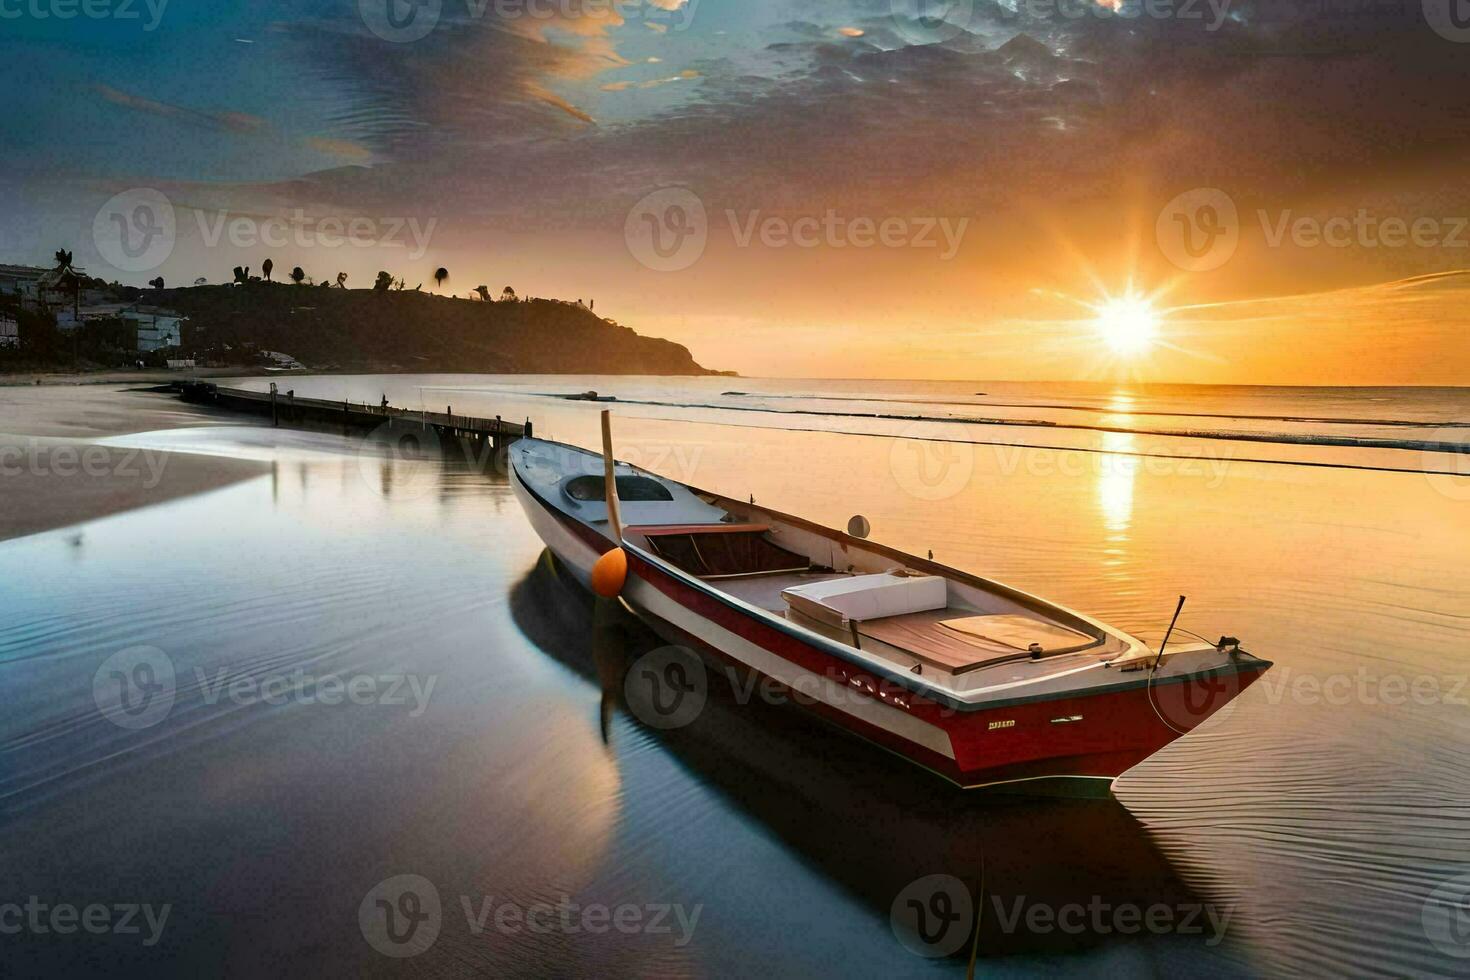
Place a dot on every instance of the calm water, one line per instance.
(1319, 824)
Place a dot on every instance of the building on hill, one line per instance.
(20, 282)
(157, 327)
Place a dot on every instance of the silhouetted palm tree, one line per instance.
(297, 276)
(382, 283)
(441, 275)
(341, 280)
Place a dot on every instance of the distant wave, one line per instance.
(1279, 438)
(1134, 453)
(1305, 419)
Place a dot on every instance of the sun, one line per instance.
(1128, 324)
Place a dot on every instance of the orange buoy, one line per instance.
(609, 573)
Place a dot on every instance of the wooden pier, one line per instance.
(286, 408)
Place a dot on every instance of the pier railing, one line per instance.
(286, 407)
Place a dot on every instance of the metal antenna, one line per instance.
(1177, 609)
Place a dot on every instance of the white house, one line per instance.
(21, 281)
(157, 328)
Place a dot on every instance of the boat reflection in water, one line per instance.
(1051, 874)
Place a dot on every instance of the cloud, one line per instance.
(238, 122)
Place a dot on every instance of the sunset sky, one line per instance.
(1052, 146)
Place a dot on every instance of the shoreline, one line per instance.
(55, 473)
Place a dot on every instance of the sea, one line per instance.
(245, 729)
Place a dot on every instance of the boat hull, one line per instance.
(1094, 735)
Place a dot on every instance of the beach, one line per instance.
(1303, 829)
(55, 472)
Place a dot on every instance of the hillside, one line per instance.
(372, 330)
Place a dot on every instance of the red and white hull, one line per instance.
(1098, 724)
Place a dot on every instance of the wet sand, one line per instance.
(54, 472)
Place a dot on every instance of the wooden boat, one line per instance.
(979, 682)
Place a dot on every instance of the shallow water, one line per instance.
(1315, 818)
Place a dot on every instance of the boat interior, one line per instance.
(953, 632)
(957, 632)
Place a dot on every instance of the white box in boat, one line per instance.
(863, 597)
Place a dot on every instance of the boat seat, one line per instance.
(713, 551)
(859, 598)
(967, 643)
